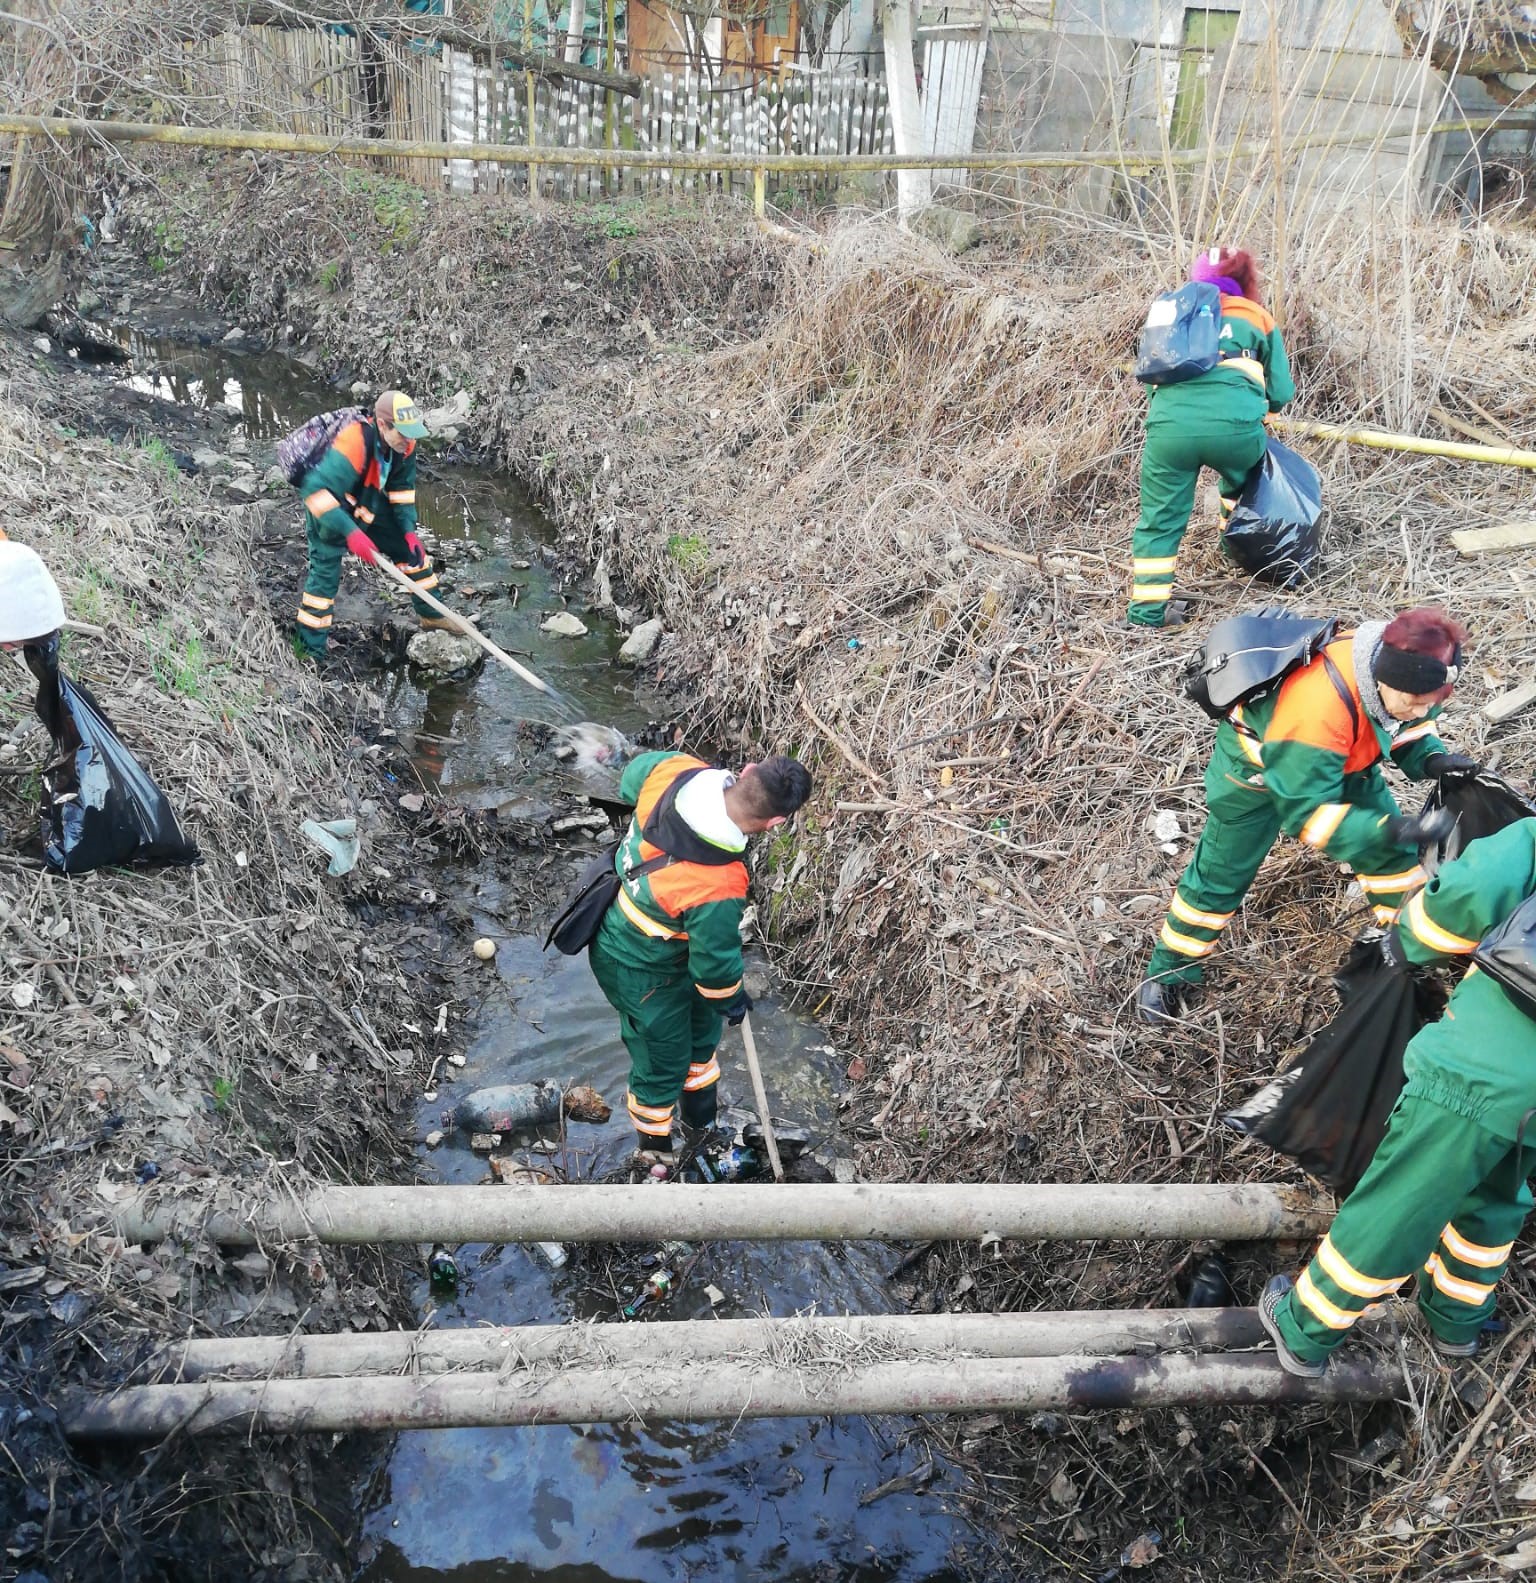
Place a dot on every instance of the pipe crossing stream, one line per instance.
(757, 1429)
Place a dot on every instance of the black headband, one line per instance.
(1414, 673)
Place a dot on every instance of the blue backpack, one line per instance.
(1182, 336)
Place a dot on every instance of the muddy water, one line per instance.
(603, 1504)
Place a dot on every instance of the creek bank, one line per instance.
(880, 502)
(234, 1031)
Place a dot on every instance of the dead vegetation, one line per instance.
(888, 527)
(222, 1031)
(909, 540)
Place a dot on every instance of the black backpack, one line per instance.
(1508, 953)
(1245, 657)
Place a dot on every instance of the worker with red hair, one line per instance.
(1214, 420)
(1306, 758)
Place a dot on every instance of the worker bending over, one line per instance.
(361, 496)
(1213, 420)
(1447, 1191)
(668, 952)
(1306, 759)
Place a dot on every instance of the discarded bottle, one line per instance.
(737, 1163)
(1211, 1284)
(554, 1253)
(656, 1290)
(442, 1270)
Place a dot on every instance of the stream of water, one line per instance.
(785, 1500)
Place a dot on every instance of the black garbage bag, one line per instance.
(99, 806)
(1328, 1109)
(1483, 804)
(1273, 531)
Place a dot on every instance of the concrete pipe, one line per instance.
(737, 1212)
(711, 1390)
(1088, 1333)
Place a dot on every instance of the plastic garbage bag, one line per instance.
(1483, 804)
(1328, 1109)
(338, 838)
(1273, 531)
(99, 805)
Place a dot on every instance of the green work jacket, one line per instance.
(683, 917)
(361, 483)
(1479, 1059)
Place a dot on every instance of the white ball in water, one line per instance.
(485, 949)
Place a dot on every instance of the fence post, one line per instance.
(759, 192)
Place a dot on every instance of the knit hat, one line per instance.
(30, 606)
(1420, 653)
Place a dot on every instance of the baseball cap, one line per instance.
(405, 415)
(30, 606)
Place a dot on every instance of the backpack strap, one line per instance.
(1341, 687)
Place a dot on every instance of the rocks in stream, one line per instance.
(563, 624)
(444, 653)
(642, 643)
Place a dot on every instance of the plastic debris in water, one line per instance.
(590, 746)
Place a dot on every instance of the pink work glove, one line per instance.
(414, 545)
(362, 546)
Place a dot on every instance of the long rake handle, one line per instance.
(761, 1095)
(468, 628)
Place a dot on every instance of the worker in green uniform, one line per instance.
(1213, 420)
(668, 951)
(1306, 759)
(361, 496)
(1448, 1189)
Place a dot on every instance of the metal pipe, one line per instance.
(717, 1390)
(637, 159)
(745, 1212)
(1385, 440)
(1034, 1335)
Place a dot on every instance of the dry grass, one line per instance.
(938, 460)
(234, 1023)
(939, 463)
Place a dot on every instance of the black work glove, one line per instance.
(1451, 766)
(737, 1007)
(1423, 829)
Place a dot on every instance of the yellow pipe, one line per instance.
(1383, 440)
(502, 154)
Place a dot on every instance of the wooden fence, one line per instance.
(319, 83)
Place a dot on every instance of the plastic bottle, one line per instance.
(554, 1252)
(737, 1162)
(442, 1270)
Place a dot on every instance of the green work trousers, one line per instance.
(1240, 828)
(1177, 446)
(1444, 1199)
(317, 604)
(671, 1033)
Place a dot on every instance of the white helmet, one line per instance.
(30, 606)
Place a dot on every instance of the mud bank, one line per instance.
(883, 503)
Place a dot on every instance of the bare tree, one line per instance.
(1486, 39)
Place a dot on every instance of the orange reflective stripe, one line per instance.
(401, 497)
(319, 623)
(702, 1076)
(320, 502)
(718, 994)
(1474, 1252)
(315, 601)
